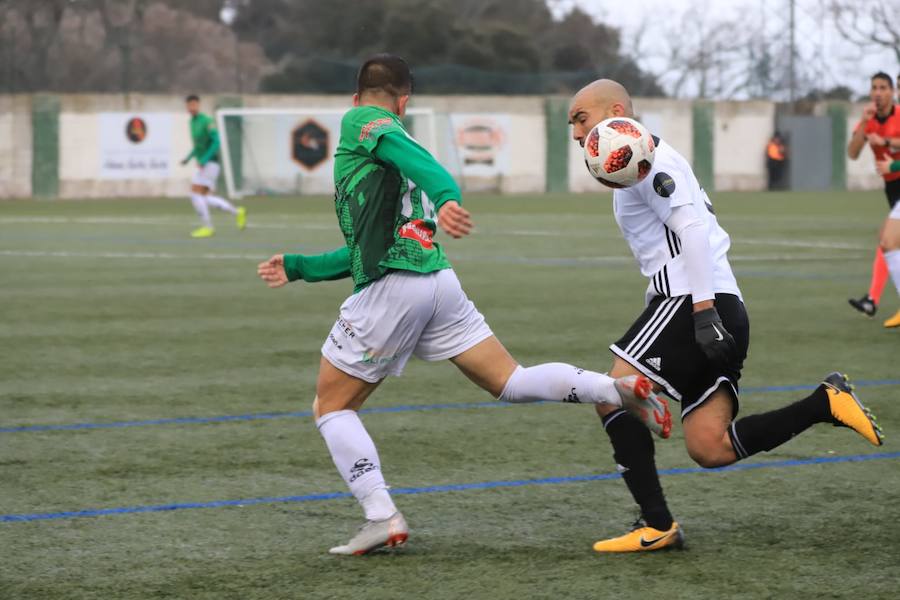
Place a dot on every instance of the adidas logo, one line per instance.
(655, 362)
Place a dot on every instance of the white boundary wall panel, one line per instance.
(15, 146)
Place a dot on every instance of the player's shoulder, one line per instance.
(368, 121)
(894, 117)
(669, 170)
(206, 120)
(668, 161)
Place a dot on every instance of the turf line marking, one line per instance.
(435, 489)
(549, 261)
(374, 410)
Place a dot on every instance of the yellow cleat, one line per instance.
(643, 539)
(203, 232)
(893, 321)
(848, 411)
(241, 218)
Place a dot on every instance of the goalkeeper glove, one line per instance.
(715, 341)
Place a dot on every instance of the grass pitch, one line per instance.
(113, 316)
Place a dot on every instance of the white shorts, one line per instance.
(207, 175)
(401, 314)
(895, 212)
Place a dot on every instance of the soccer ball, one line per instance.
(619, 152)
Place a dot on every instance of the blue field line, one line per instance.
(374, 410)
(434, 489)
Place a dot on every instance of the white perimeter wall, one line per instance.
(15, 146)
(741, 130)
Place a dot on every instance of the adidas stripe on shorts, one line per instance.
(660, 344)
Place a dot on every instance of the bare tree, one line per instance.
(123, 46)
(868, 23)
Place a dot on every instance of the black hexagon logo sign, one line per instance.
(309, 144)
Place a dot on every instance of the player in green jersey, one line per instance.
(206, 151)
(407, 299)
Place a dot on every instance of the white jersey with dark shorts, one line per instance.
(661, 341)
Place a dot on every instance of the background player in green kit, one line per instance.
(407, 299)
(206, 151)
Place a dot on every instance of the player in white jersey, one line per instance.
(692, 337)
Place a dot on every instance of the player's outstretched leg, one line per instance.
(832, 402)
(560, 382)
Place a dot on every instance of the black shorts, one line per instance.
(661, 345)
(892, 191)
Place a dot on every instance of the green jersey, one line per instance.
(205, 138)
(388, 221)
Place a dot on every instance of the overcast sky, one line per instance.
(839, 63)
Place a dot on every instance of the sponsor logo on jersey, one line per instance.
(417, 230)
(572, 397)
(371, 126)
(664, 184)
(360, 468)
(655, 362)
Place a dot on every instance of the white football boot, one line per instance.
(639, 399)
(392, 532)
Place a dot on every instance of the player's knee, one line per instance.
(709, 451)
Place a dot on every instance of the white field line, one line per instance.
(147, 221)
(131, 255)
(799, 244)
(178, 220)
(525, 260)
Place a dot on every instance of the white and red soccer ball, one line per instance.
(619, 152)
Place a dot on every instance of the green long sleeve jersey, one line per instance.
(388, 190)
(205, 139)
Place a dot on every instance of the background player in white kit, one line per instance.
(692, 338)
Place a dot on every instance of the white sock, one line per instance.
(559, 382)
(356, 459)
(199, 202)
(221, 204)
(892, 258)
